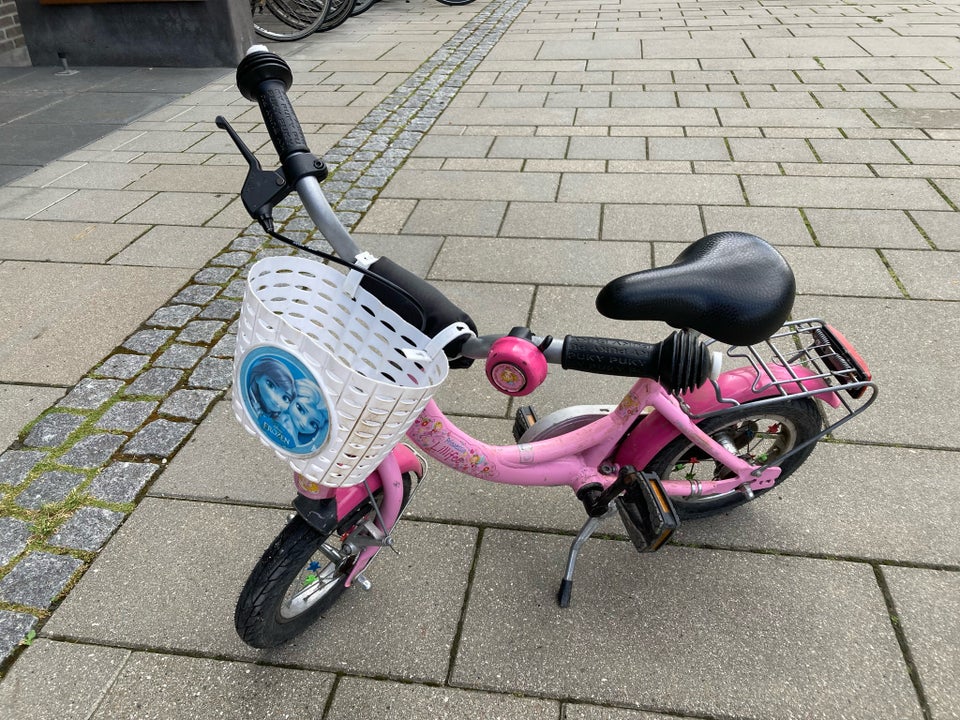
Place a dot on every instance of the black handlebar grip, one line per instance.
(265, 77)
(608, 356)
(680, 363)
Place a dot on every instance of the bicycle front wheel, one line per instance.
(455, 2)
(300, 576)
(288, 19)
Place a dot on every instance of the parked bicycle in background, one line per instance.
(284, 20)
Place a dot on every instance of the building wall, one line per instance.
(13, 46)
(177, 33)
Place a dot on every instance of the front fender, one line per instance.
(654, 432)
(389, 476)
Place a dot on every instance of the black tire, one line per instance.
(291, 587)
(361, 6)
(287, 19)
(455, 2)
(338, 14)
(789, 423)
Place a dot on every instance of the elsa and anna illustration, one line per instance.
(292, 412)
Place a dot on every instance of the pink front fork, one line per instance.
(389, 477)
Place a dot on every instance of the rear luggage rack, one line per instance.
(805, 358)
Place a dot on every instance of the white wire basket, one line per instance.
(325, 374)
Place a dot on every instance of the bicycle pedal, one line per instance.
(526, 417)
(646, 511)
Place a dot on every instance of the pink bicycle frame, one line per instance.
(571, 459)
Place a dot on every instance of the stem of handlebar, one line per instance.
(478, 348)
(325, 219)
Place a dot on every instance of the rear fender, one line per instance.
(654, 432)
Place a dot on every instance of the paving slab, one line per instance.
(103, 175)
(568, 262)
(902, 343)
(669, 616)
(552, 220)
(935, 118)
(362, 698)
(221, 461)
(867, 228)
(942, 228)
(852, 501)
(19, 402)
(642, 189)
(926, 603)
(794, 117)
(20, 203)
(51, 338)
(155, 686)
(927, 274)
(862, 193)
(59, 681)
(577, 711)
(852, 271)
(651, 222)
(149, 579)
(94, 205)
(80, 242)
(442, 217)
(458, 185)
(36, 144)
(779, 226)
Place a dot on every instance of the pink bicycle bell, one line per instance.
(515, 366)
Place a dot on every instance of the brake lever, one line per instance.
(262, 189)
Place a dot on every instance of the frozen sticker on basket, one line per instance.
(284, 400)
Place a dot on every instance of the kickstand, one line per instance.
(589, 527)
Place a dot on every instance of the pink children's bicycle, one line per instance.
(334, 371)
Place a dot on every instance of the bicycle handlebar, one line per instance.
(265, 78)
(681, 362)
(610, 356)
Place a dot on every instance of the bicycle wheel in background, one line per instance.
(287, 19)
(361, 6)
(337, 14)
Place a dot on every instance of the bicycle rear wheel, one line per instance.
(455, 2)
(760, 435)
(287, 19)
(338, 14)
(361, 6)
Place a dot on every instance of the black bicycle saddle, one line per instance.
(731, 286)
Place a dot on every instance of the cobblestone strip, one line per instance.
(81, 466)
